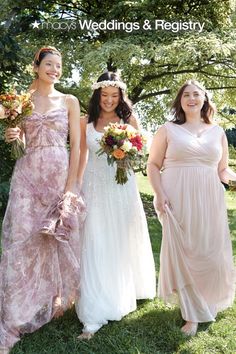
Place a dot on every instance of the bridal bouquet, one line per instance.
(13, 109)
(125, 147)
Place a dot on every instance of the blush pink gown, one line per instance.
(196, 252)
(38, 263)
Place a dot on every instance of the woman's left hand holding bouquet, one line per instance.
(13, 110)
(12, 134)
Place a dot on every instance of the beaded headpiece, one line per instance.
(106, 83)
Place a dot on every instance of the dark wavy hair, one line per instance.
(124, 108)
(208, 109)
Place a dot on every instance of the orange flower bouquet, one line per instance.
(13, 109)
(124, 146)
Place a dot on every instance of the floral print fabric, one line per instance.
(36, 267)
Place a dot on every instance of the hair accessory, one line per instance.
(45, 50)
(107, 83)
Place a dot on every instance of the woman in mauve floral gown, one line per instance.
(39, 270)
(196, 263)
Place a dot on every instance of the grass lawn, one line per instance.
(152, 329)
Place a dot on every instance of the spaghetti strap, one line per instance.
(64, 99)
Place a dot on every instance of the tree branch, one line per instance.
(136, 93)
(221, 88)
(168, 91)
(151, 94)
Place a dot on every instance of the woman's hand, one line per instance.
(160, 202)
(74, 189)
(12, 134)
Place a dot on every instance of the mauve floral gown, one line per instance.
(38, 263)
(196, 260)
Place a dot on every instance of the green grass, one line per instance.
(143, 184)
(152, 329)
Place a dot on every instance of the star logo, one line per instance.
(35, 24)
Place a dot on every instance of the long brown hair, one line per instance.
(208, 109)
(39, 56)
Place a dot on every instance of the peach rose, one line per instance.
(118, 154)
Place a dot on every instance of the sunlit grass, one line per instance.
(153, 329)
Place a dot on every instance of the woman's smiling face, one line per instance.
(109, 99)
(50, 68)
(192, 99)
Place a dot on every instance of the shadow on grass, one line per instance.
(152, 329)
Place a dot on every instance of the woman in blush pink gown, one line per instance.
(39, 270)
(196, 262)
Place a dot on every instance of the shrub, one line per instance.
(231, 136)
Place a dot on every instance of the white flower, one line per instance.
(118, 131)
(126, 146)
(107, 83)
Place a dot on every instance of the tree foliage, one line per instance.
(154, 63)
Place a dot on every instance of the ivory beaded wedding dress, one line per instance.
(117, 265)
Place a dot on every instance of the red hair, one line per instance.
(42, 52)
(39, 56)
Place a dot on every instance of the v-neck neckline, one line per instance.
(194, 135)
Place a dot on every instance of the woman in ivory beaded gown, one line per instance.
(39, 270)
(117, 265)
(196, 262)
